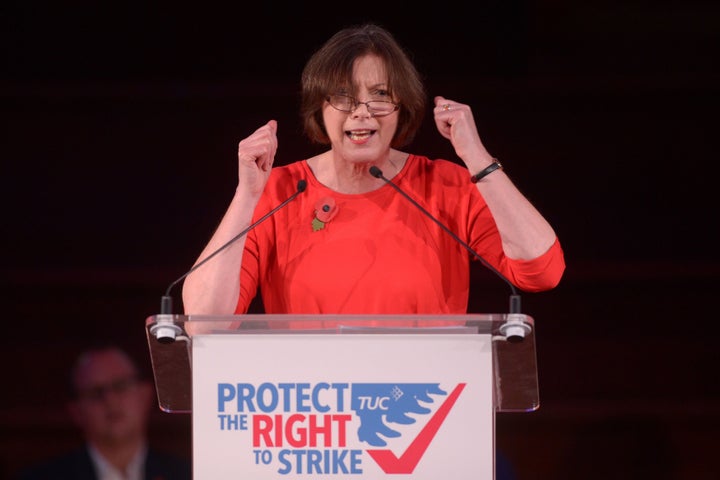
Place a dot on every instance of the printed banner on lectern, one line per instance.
(309, 406)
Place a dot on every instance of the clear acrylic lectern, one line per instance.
(343, 396)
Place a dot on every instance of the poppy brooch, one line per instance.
(325, 210)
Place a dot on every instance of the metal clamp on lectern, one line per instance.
(165, 328)
(515, 327)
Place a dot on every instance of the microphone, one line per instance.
(515, 328)
(164, 329)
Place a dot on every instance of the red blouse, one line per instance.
(378, 253)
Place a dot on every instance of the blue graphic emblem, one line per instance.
(378, 404)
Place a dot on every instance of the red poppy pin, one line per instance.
(325, 210)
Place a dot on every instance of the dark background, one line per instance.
(120, 123)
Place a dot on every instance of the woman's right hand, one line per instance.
(256, 155)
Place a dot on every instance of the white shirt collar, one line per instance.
(106, 471)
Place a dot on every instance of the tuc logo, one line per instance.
(329, 428)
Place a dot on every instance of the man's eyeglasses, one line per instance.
(98, 392)
(348, 104)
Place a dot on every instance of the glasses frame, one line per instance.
(356, 103)
(97, 393)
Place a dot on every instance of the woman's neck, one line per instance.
(354, 178)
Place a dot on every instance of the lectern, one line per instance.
(344, 396)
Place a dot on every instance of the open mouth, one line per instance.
(359, 135)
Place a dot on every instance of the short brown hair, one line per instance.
(330, 69)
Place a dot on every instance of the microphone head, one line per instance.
(375, 172)
(301, 185)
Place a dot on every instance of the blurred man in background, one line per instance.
(111, 405)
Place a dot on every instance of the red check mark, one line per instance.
(409, 460)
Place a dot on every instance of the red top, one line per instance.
(377, 253)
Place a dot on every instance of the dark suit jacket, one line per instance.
(77, 465)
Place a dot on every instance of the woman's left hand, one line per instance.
(455, 122)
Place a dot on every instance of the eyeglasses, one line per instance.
(348, 104)
(98, 392)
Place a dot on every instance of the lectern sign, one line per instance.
(279, 406)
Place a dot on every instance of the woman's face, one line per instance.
(359, 136)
